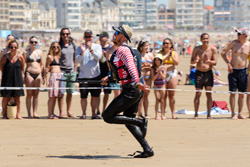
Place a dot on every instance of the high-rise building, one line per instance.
(4, 14)
(140, 14)
(165, 17)
(17, 14)
(68, 13)
(127, 15)
(189, 13)
(229, 14)
(209, 17)
(151, 13)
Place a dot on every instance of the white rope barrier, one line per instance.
(114, 88)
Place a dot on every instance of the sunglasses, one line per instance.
(33, 42)
(117, 32)
(55, 47)
(239, 34)
(65, 34)
(12, 47)
(87, 36)
(165, 43)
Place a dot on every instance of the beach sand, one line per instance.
(184, 142)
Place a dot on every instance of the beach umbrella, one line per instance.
(186, 41)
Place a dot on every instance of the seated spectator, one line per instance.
(217, 80)
(190, 77)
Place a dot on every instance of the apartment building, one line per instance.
(189, 13)
(68, 13)
(151, 13)
(229, 14)
(4, 14)
(165, 19)
(17, 14)
(127, 14)
(40, 15)
(209, 17)
(140, 14)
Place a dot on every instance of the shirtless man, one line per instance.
(237, 76)
(205, 57)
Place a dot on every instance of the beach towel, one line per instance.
(221, 104)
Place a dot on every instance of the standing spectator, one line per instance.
(170, 61)
(53, 66)
(103, 38)
(205, 57)
(147, 59)
(237, 69)
(68, 68)
(34, 75)
(12, 67)
(88, 54)
(158, 74)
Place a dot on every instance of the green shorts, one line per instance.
(68, 77)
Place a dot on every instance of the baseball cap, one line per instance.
(125, 30)
(88, 32)
(103, 34)
(242, 31)
(159, 56)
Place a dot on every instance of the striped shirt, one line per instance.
(124, 57)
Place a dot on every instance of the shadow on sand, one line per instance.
(96, 157)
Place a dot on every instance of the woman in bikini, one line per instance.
(170, 60)
(53, 66)
(147, 58)
(33, 74)
(12, 67)
(158, 75)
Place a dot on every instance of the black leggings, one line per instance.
(128, 103)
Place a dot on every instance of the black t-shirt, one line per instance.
(103, 63)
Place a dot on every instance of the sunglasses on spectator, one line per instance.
(164, 43)
(117, 32)
(13, 47)
(239, 34)
(65, 34)
(87, 36)
(55, 47)
(33, 42)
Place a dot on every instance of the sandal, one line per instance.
(96, 117)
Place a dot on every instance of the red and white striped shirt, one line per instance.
(124, 57)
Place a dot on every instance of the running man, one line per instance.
(205, 57)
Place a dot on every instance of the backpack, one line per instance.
(137, 59)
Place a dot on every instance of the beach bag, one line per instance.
(220, 104)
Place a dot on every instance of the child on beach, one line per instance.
(158, 75)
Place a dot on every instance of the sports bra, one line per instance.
(54, 63)
(170, 60)
(31, 59)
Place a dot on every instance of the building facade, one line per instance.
(229, 14)
(151, 13)
(68, 13)
(189, 13)
(17, 14)
(209, 17)
(4, 14)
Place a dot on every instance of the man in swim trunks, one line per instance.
(237, 76)
(205, 57)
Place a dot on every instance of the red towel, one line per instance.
(221, 104)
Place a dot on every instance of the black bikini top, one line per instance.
(31, 59)
(54, 63)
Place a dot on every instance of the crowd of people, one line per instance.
(89, 64)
